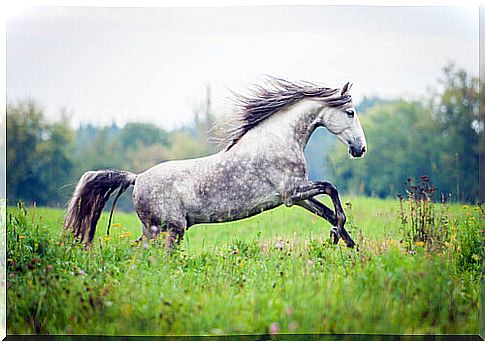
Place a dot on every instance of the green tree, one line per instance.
(142, 145)
(456, 108)
(184, 146)
(136, 135)
(39, 158)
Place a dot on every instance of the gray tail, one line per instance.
(90, 196)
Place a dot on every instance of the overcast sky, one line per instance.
(154, 64)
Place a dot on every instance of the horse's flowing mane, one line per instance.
(262, 102)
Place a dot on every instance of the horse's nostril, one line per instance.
(363, 149)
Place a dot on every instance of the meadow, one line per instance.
(275, 273)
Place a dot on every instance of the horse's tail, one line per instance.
(89, 198)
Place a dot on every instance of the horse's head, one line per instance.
(341, 119)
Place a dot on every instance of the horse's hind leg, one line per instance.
(175, 232)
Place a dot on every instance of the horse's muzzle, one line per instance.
(356, 152)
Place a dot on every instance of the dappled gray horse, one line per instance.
(262, 166)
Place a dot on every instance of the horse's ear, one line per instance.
(346, 88)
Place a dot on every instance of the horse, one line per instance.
(262, 166)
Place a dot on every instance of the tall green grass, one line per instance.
(273, 273)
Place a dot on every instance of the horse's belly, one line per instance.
(226, 209)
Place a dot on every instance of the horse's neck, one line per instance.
(289, 129)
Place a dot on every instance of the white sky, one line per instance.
(154, 64)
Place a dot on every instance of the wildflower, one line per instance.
(464, 207)
(279, 245)
(49, 268)
(419, 243)
(21, 237)
(106, 238)
(274, 328)
(81, 272)
(126, 234)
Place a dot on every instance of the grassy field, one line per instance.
(273, 273)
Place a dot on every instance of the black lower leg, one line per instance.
(338, 219)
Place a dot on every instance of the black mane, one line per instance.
(262, 102)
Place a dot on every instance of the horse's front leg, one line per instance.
(308, 190)
(320, 209)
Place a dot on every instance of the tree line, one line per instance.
(437, 136)
(45, 160)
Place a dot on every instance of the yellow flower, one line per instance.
(464, 207)
(126, 234)
(116, 225)
(107, 238)
(419, 243)
(21, 237)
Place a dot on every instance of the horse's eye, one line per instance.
(350, 113)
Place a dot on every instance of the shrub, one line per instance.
(421, 224)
